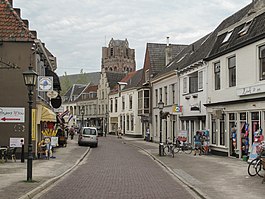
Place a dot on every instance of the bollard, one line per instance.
(22, 153)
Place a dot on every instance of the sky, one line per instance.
(75, 31)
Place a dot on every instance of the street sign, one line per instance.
(12, 115)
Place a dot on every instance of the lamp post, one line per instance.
(30, 79)
(82, 113)
(160, 106)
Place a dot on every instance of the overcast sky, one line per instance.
(76, 30)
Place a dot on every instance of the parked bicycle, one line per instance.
(182, 146)
(168, 148)
(255, 167)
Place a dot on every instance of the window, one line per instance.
(262, 62)
(146, 101)
(156, 97)
(160, 93)
(116, 104)
(185, 82)
(217, 76)
(132, 123)
(200, 77)
(111, 52)
(123, 102)
(165, 90)
(232, 71)
(244, 30)
(140, 102)
(111, 105)
(130, 102)
(173, 93)
(228, 35)
(193, 83)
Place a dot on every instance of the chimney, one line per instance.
(168, 52)
(167, 41)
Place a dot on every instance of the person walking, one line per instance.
(72, 132)
(197, 142)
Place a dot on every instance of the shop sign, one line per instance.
(176, 109)
(250, 90)
(12, 115)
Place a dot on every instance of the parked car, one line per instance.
(88, 136)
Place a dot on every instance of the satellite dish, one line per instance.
(52, 94)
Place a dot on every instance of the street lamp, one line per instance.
(82, 113)
(160, 106)
(30, 79)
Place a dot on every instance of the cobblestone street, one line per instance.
(117, 170)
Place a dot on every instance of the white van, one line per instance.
(88, 136)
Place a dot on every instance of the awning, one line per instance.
(47, 115)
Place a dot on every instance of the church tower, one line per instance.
(118, 57)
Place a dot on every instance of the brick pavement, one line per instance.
(117, 170)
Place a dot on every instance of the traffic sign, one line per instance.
(12, 115)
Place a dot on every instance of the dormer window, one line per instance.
(227, 37)
(245, 29)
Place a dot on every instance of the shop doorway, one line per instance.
(233, 146)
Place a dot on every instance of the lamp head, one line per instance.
(30, 77)
(160, 105)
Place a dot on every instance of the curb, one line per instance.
(195, 190)
(50, 182)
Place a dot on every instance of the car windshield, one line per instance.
(89, 132)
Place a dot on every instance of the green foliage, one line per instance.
(65, 83)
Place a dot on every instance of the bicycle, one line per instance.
(168, 149)
(184, 147)
(255, 167)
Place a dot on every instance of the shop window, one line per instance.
(213, 131)
(222, 130)
(128, 122)
(217, 77)
(232, 71)
(132, 123)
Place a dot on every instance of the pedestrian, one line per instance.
(119, 132)
(72, 132)
(197, 142)
(147, 135)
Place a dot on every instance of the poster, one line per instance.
(54, 141)
(16, 142)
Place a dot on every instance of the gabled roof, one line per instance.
(75, 90)
(12, 27)
(88, 89)
(193, 53)
(157, 55)
(114, 77)
(135, 80)
(235, 23)
(92, 78)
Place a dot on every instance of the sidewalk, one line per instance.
(211, 176)
(13, 175)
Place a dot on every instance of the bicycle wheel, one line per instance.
(188, 149)
(252, 167)
(176, 148)
(259, 169)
